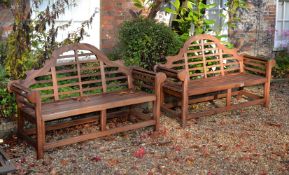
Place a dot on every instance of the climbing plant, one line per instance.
(32, 40)
(233, 7)
(191, 19)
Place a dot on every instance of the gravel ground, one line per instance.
(254, 140)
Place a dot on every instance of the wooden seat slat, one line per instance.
(58, 110)
(213, 83)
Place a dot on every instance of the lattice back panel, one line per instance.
(203, 58)
(44, 84)
(79, 73)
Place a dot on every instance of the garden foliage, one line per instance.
(145, 43)
(31, 42)
(191, 17)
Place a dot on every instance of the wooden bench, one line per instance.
(79, 79)
(205, 70)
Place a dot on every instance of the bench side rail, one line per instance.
(259, 65)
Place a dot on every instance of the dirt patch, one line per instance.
(254, 140)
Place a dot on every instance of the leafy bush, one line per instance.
(144, 42)
(7, 100)
(281, 70)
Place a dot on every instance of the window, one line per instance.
(282, 25)
(215, 14)
(76, 15)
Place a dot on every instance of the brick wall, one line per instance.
(256, 28)
(112, 15)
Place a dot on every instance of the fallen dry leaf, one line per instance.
(139, 153)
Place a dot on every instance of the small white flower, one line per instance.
(213, 68)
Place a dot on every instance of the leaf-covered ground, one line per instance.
(254, 140)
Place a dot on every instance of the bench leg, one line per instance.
(184, 111)
(103, 120)
(157, 113)
(228, 99)
(266, 94)
(40, 132)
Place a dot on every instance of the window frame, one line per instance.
(220, 8)
(277, 42)
(94, 30)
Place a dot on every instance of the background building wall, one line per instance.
(256, 28)
(112, 14)
(6, 21)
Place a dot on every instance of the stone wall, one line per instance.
(256, 28)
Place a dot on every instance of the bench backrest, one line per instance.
(78, 70)
(204, 56)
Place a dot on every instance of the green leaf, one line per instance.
(171, 11)
(190, 5)
(176, 4)
(209, 6)
(207, 21)
(138, 3)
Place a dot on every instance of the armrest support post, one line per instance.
(171, 73)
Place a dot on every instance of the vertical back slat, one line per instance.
(204, 58)
(221, 62)
(186, 62)
(78, 72)
(103, 81)
(54, 82)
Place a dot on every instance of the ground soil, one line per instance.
(254, 140)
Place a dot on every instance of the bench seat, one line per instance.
(61, 109)
(213, 84)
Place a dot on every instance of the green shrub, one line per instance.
(281, 70)
(144, 42)
(7, 100)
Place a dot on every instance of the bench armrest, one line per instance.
(149, 79)
(25, 97)
(180, 75)
(260, 65)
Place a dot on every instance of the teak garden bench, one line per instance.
(205, 70)
(79, 79)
